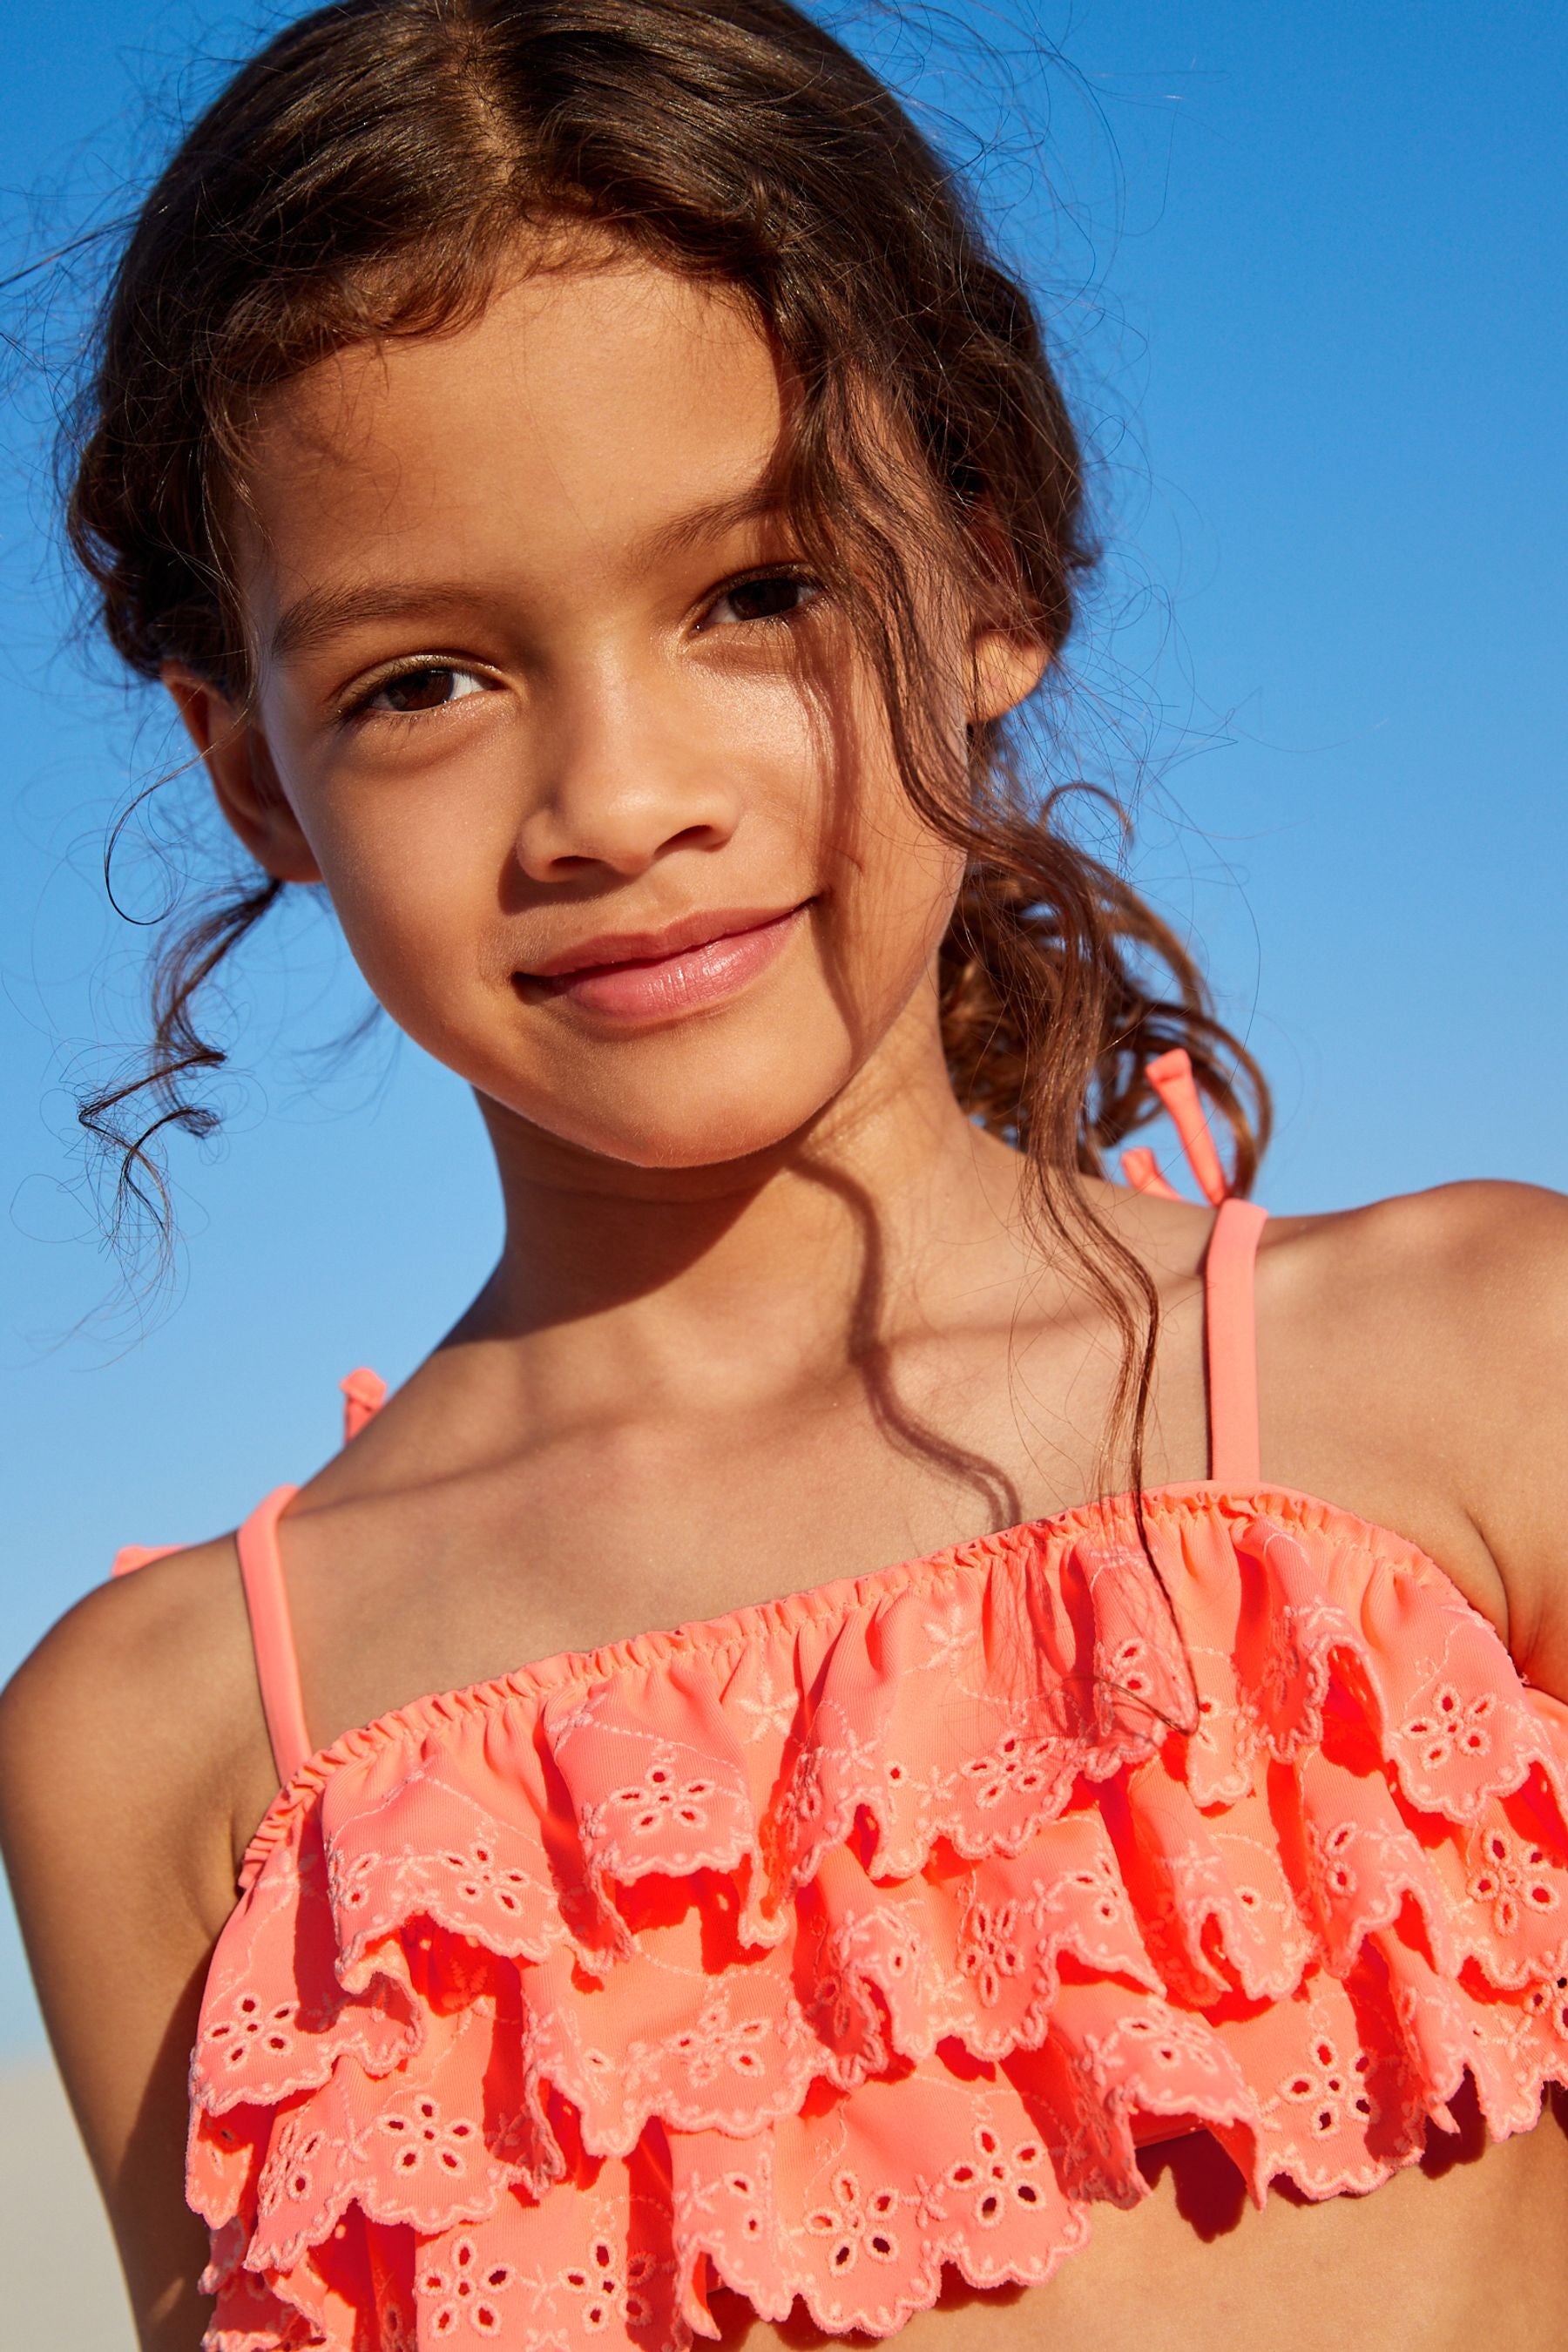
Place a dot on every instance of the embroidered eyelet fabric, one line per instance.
(809, 1949)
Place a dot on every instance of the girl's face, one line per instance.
(598, 787)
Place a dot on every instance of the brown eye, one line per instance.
(772, 596)
(429, 687)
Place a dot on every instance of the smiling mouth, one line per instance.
(640, 987)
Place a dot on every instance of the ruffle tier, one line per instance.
(805, 1952)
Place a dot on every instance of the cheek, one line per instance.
(896, 906)
(893, 884)
(416, 898)
(425, 884)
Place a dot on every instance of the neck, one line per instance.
(804, 1256)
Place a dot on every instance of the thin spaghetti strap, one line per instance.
(1231, 1339)
(1229, 1264)
(272, 1632)
(1170, 1075)
(130, 1557)
(363, 1393)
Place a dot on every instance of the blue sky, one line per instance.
(1304, 263)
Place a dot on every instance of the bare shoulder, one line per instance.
(141, 1694)
(1437, 1323)
(1480, 1269)
(1438, 1244)
(122, 1738)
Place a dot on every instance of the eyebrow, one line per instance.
(323, 613)
(760, 503)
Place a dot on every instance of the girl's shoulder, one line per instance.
(1426, 1333)
(1430, 1331)
(1481, 1266)
(135, 1711)
(149, 1684)
(121, 1739)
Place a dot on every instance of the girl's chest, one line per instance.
(464, 1581)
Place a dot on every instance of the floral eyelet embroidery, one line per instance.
(395, 2331)
(465, 2290)
(1015, 1766)
(421, 2138)
(746, 2193)
(1510, 1878)
(1331, 2090)
(989, 1949)
(1548, 2000)
(251, 2027)
(1171, 2040)
(1451, 1727)
(481, 1878)
(1125, 1669)
(299, 2182)
(1330, 1849)
(715, 2045)
(991, 2181)
(606, 2295)
(661, 1795)
(856, 2225)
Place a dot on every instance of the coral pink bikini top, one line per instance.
(806, 1950)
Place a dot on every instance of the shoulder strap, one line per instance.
(267, 1596)
(272, 1632)
(1230, 1261)
(130, 1557)
(1170, 1075)
(1230, 1327)
(363, 1394)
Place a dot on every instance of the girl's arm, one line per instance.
(119, 1739)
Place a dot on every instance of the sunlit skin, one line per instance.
(541, 691)
(623, 748)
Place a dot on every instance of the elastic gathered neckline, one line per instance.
(729, 1632)
(869, 1930)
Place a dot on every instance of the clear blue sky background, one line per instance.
(1306, 260)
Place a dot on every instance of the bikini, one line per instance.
(804, 1950)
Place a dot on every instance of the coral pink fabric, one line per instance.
(808, 1949)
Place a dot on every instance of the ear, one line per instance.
(234, 751)
(1004, 670)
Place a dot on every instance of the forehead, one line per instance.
(587, 406)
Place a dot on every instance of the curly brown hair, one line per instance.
(368, 173)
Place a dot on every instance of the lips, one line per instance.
(638, 977)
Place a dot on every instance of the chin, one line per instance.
(707, 1136)
(709, 1148)
(703, 1119)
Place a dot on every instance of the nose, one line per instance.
(623, 775)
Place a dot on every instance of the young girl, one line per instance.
(596, 505)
